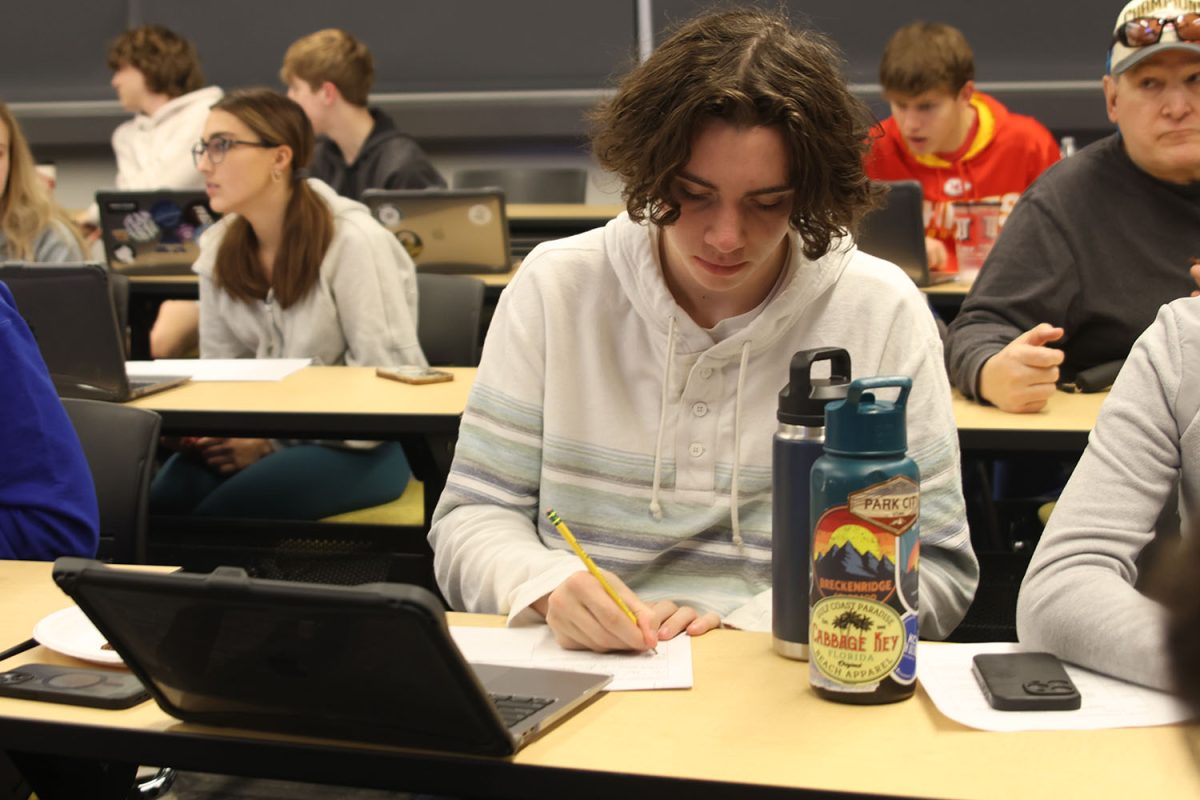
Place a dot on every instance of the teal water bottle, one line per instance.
(865, 513)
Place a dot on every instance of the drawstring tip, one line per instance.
(656, 510)
(737, 539)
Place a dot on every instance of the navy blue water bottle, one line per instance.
(797, 446)
(866, 502)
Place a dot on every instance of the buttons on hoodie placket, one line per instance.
(698, 425)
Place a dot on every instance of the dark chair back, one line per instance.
(521, 185)
(449, 308)
(119, 442)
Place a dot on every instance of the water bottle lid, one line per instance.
(802, 401)
(864, 425)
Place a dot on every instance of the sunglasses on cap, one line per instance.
(1145, 31)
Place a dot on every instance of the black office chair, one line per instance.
(119, 443)
(449, 308)
(528, 185)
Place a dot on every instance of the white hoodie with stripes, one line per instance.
(600, 397)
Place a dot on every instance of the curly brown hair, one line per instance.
(747, 67)
(167, 60)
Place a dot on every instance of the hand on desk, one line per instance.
(228, 456)
(583, 617)
(1023, 376)
(935, 253)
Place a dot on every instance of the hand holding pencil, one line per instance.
(597, 620)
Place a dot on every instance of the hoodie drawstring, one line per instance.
(737, 446)
(655, 506)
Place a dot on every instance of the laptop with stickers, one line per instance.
(367, 663)
(895, 232)
(451, 231)
(153, 232)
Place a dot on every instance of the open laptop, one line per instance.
(153, 232)
(367, 663)
(450, 231)
(896, 232)
(70, 311)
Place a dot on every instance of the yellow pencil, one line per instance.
(562, 528)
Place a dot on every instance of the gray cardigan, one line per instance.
(361, 312)
(1078, 600)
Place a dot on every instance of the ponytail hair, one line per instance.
(307, 220)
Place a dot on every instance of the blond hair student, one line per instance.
(291, 270)
(32, 226)
(329, 73)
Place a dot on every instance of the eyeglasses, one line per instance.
(218, 146)
(1145, 31)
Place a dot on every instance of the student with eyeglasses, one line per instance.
(631, 375)
(1103, 238)
(291, 270)
(32, 226)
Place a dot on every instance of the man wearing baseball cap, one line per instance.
(1103, 238)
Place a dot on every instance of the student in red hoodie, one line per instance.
(962, 145)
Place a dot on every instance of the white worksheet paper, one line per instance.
(219, 369)
(945, 672)
(534, 646)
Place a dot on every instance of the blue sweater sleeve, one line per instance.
(47, 499)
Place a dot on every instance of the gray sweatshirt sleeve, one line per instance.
(56, 245)
(1078, 599)
(1028, 278)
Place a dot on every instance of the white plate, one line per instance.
(71, 633)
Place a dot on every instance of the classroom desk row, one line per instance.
(750, 728)
(351, 402)
(529, 223)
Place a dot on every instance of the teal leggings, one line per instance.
(305, 482)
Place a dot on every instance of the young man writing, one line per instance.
(962, 145)
(329, 73)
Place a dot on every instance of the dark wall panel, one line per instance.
(1013, 40)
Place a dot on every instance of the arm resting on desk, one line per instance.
(1078, 599)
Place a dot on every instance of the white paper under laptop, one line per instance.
(220, 369)
(534, 646)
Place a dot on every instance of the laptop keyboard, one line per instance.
(514, 708)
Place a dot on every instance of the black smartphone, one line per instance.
(99, 688)
(1025, 682)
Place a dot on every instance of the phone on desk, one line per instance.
(98, 688)
(416, 375)
(1025, 682)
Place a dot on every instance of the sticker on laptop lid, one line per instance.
(479, 214)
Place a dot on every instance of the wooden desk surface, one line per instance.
(957, 287)
(350, 402)
(557, 211)
(749, 720)
(1062, 426)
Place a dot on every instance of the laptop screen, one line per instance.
(70, 310)
(153, 232)
(369, 663)
(895, 231)
(446, 230)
